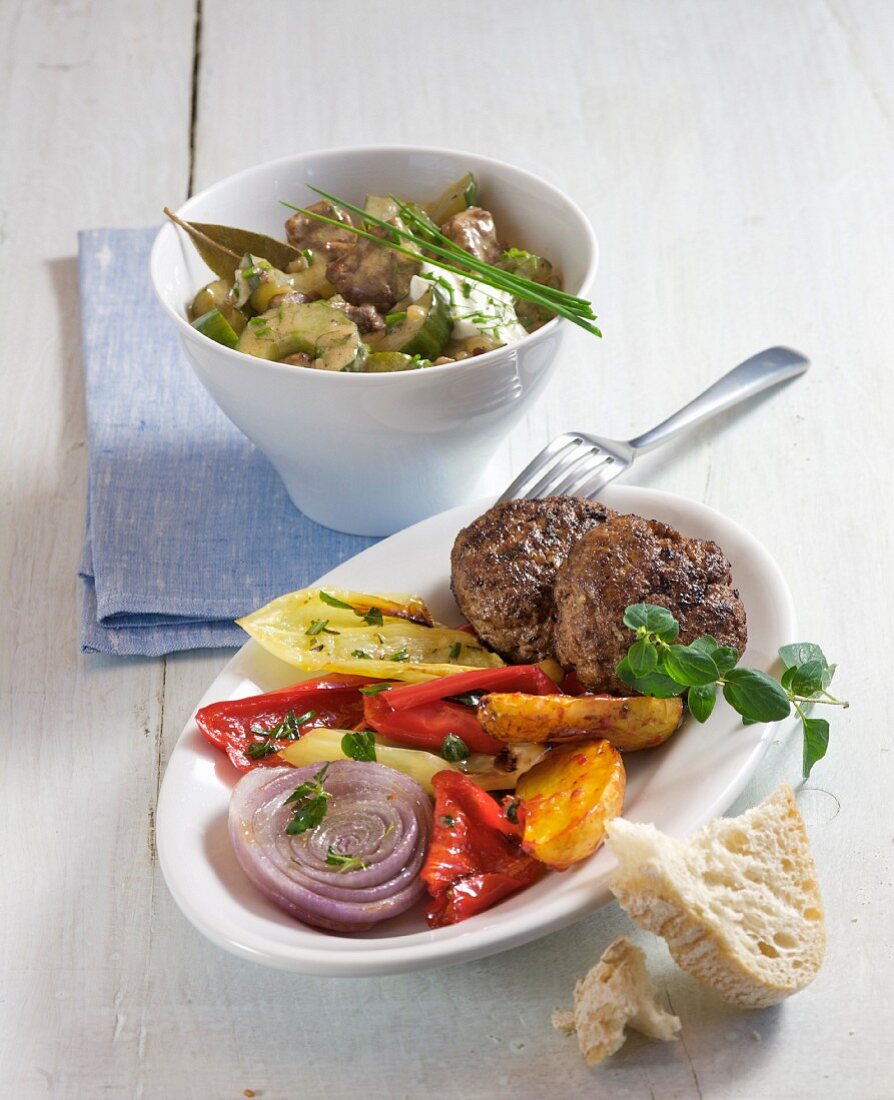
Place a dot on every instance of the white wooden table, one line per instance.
(736, 160)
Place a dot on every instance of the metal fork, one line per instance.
(578, 464)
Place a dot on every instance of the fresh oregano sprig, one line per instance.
(656, 665)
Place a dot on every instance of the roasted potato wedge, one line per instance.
(567, 799)
(638, 722)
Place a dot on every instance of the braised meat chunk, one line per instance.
(371, 274)
(303, 231)
(632, 560)
(503, 566)
(473, 229)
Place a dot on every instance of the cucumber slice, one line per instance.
(310, 278)
(216, 327)
(380, 206)
(382, 362)
(212, 296)
(424, 330)
(456, 197)
(313, 328)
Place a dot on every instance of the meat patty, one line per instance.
(503, 566)
(632, 560)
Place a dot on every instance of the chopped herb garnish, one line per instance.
(455, 650)
(373, 617)
(258, 322)
(374, 689)
(454, 748)
(317, 648)
(309, 801)
(333, 602)
(320, 626)
(447, 819)
(360, 655)
(308, 255)
(512, 811)
(344, 862)
(401, 655)
(468, 698)
(289, 729)
(359, 745)
(392, 319)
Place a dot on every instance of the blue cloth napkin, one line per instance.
(188, 525)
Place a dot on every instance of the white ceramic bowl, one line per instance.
(372, 453)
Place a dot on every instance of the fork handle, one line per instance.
(767, 368)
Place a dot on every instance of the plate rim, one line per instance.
(375, 957)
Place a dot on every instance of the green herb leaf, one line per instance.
(511, 810)
(656, 683)
(374, 689)
(309, 800)
(447, 819)
(287, 730)
(360, 655)
(653, 619)
(689, 665)
(642, 658)
(359, 745)
(755, 695)
(816, 741)
(401, 655)
(808, 679)
(319, 626)
(467, 698)
(799, 653)
(344, 862)
(454, 748)
(333, 602)
(455, 650)
(701, 701)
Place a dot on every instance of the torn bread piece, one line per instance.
(615, 994)
(738, 902)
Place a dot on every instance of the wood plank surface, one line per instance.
(735, 159)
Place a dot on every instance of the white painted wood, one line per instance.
(736, 162)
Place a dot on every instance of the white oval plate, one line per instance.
(694, 777)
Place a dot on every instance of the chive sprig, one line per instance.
(445, 254)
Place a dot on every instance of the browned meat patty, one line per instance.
(503, 566)
(632, 560)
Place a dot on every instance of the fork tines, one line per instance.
(572, 465)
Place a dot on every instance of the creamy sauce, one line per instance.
(475, 309)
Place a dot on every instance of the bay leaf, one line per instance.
(223, 246)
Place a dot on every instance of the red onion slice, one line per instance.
(374, 813)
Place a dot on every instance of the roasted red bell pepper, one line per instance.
(426, 726)
(475, 858)
(531, 679)
(241, 727)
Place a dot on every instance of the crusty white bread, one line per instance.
(738, 902)
(616, 992)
